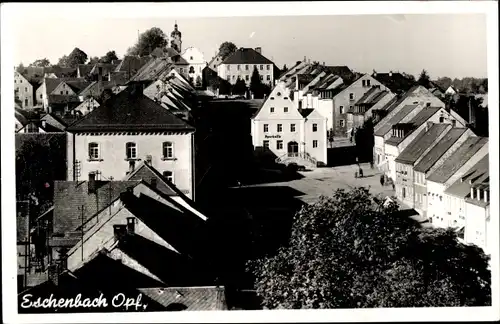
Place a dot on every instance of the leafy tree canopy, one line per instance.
(148, 42)
(77, 56)
(109, 57)
(41, 63)
(424, 79)
(94, 60)
(226, 49)
(349, 251)
(20, 68)
(240, 87)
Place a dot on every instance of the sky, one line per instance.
(452, 45)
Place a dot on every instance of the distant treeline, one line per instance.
(465, 85)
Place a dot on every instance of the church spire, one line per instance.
(176, 38)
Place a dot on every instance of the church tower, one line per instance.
(176, 39)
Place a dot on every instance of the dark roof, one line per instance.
(306, 112)
(84, 69)
(394, 120)
(461, 156)
(70, 196)
(477, 174)
(369, 97)
(394, 82)
(439, 149)
(305, 79)
(62, 72)
(146, 173)
(246, 56)
(132, 64)
(153, 70)
(130, 110)
(77, 85)
(62, 99)
(421, 143)
(91, 89)
(51, 84)
(325, 82)
(194, 298)
(416, 122)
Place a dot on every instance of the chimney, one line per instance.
(92, 187)
(305, 58)
(258, 50)
(309, 61)
(390, 73)
(149, 159)
(99, 80)
(130, 225)
(119, 231)
(478, 194)
(324, 64)
(109, 76)
(485, 195)
(472, 192)
(44, 123)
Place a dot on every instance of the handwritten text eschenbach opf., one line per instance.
(118, 301)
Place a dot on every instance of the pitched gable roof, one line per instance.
(71, 196)
(246, 56)
(394, 81)
(421, 143)
(477, 174)
(453, 163)
(394, 120)
(92, 89)
(415, 122)
(194, 298)
(130, 110)
(439, 149)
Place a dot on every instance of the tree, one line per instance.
(424, 79)
(77, 56)
(410, 77)
(351, 251)
(256, 86)
(20, 68)
(226, 49)
(109, 57)
(198, 81)
(41, 63)
(148, 42)
(224, 86)
(240, 87)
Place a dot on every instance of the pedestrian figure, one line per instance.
(239, 183)
(371, 165)
(360, 173)
(382, 180)
(393, 186)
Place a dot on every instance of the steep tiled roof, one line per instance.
(194, 298)
(84, 69)
(394, 82)
(246, 56)
(70, 196)
(62, 99)
(365, 99)
(146, 173)
(130, 110)
(416, 122)
(439, 149)
(51, 84)
(324, 82)
(463, 154)
(422, 142)
(394, 120)
(77, 85)
(132, 64)
(153, 69)
(477, 174)
(91, 89)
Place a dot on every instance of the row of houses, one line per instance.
(438, 165)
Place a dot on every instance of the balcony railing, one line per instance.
(302, 155)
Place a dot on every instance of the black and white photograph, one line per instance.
(249, 160)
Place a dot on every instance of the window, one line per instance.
(262, 67)
(341, 123)
(169, 175)
(441, 119)
(228, 78)
(261, 77)
(168, 150)
(41, 96)
(268, 67)
(341, 108)
(285, 109)
(271, 109)
(315, 143)
(268, 77)
(62, 92)
(21, 81)
(368, 83)
(279, 128)
(246, 67)
(191, 58)
(364, 83)
(265, 144)
(234, 77)
(266, 128)
(15, 81)
(67, 92)
(228, 67)
(93, 151)
(247, 77)
(404, 192)
(279, 145)
(25, 102)
(428, 104)
(182, 70)
(351, 96)
(292, 127)
(25, 89)
(32, 128)
(131, 150)
(315, 127)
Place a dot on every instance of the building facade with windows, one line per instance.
(110, 142)
(241, 64)
(291, 134)
(23, 91)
